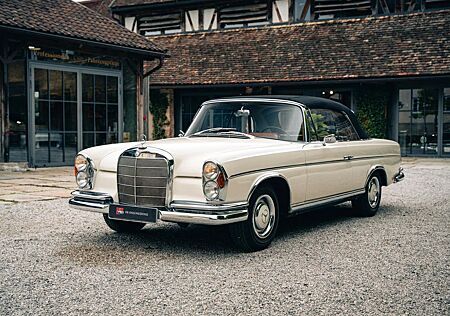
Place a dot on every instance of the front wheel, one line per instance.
(367, 204)
(122, 226)
(258, 231)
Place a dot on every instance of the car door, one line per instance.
(329, 168)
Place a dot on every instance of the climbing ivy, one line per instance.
(158, 107)
(371, 112)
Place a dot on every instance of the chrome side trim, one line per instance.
(266, 169)
(300, 207)
(306, 164)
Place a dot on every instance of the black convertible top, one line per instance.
(312, 103)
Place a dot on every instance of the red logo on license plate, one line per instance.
(120, 211)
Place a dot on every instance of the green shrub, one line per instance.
(371, 112)
(158, 107)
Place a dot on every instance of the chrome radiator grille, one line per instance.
(143, 180)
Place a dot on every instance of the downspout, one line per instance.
(160, 64)
(146, 88)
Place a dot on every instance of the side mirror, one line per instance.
(181, 133)
(329, 139)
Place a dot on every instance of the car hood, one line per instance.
(190, 153)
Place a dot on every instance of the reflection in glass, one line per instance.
(88, 140)
(112, 90)
(42, 156)
(100, 89)
(113, 114)
(88, 117)
(70, 147)
(41, 116)
(100, 139)
(56, 146)
(56, 116)
(40, 83)
(88, 87)
(70, 86)
(70, 116)
(55, 83)
(100, 117)
(112, 138)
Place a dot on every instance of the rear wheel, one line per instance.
(367, 204)
(258, 231)
(122, 226)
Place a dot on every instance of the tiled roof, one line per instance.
(70, 19)
(126, 3)
(374, 47)
(99, 6)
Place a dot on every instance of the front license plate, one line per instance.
(133, 213)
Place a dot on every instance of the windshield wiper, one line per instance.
(215, 130)
(228, 131)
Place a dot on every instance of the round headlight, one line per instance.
(210, 170)
(83, 179)
(211, 190)
(81, 163)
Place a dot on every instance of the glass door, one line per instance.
(100, 109)
(72, 108)
(55, 116)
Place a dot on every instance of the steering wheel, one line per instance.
(273, 129)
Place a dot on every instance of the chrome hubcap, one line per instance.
(373, 192)
(263, 216)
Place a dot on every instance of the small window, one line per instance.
(159, 24)
(329, 122)
(254, 14)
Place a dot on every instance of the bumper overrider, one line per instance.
(177, 211)
(399, 176)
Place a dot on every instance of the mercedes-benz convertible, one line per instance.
(245, 162)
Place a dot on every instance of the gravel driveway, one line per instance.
(54, 261)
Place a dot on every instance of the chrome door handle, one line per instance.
(348, 157)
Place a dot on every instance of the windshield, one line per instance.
(240, 119)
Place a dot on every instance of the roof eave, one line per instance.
(138, 7)
(133, 50)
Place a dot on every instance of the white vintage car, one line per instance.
(245, 162)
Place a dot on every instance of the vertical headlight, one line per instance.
(84, 172)
(214, 181)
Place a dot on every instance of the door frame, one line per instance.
(32, 65)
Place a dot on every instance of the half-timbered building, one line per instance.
(388, 60)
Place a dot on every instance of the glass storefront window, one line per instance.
(418, 121)
(446, 123)
(16, 126)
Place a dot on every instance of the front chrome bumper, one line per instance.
(178, 211)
